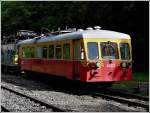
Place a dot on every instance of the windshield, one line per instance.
(124, 49)
(109, 50)
(92, 50)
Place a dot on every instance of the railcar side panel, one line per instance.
(52, 67)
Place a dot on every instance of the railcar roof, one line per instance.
(79, 35)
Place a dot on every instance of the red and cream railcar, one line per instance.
(89, 55)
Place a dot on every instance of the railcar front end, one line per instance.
(106, 60)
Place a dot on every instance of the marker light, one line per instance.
(124, 64)
(97, 64)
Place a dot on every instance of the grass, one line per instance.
(138, 77)
(143, 77)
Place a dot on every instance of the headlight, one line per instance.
(94, 64)
(97, 64)
(124, 64)
(16, 59)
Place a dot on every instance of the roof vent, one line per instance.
(97, 27)
(80, 29)
(89, 28)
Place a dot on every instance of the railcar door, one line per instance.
(76, 57)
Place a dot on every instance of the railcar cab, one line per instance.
(108, 59)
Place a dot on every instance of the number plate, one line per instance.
(110, 65)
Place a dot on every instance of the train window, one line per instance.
(26, 53)
(124, 50)
(66, 51)
(23, 52)
(58, 54)
(44, 52)
(51, 51)
(109, 50)
(31, 52)
(38, 52)
(19, 51)
(92, 50)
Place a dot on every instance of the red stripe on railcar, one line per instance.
(54, 67)
(107, 72)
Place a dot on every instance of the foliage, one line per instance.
(138, 76)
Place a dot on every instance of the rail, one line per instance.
(122, 100)
(127, 94)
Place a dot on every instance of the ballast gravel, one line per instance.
(57, 97)
(17, 103)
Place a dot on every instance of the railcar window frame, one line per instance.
(51, 54)
(128, 50)
(20, 52)
(25, 52)
(38, 52)
(105, 56)
(58, 55)
(44, 52)
(66, 52)
(96, 56)
(77, 51)
(32, 54)
(28, 52)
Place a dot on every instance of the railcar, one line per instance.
(9, 50)
(92, 55)
(9, 58)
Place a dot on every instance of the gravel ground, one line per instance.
(17, 103)
(60, 98)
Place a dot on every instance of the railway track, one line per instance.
(119, 96)
(47, 105)
(127, 94)
(134, 100)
